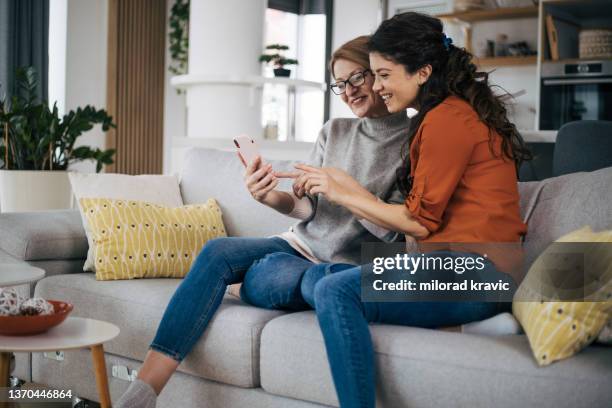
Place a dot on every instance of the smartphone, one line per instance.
(247, 148)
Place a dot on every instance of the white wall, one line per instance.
(175, 112)
(58, 30)
(77, 62)
(352, 18)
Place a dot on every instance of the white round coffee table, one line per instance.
(19, 274)
(73, 333)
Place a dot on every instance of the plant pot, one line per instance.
(282, 72)
(34, 190)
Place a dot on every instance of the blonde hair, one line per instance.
(355, 50)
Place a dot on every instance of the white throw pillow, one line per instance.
(162, 190)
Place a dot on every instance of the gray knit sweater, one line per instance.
(370, 151)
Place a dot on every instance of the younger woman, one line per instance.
(460, 176)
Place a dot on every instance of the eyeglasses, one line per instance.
(355, 80)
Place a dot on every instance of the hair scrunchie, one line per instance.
(447, 41)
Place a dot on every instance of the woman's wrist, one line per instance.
(354, 202)
(394, 217)
(349, 198)
(280, 201)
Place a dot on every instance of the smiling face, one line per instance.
(397, 87)
(363, 101)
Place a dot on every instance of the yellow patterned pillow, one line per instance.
(136, 239)
(558, 330)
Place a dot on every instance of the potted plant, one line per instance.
(178, 36)
(278, 60)
(37, 146)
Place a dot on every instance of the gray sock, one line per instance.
(499, 325)
(138, 395)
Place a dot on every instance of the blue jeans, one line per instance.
(286, 289)
(222, 262)
(334, 290)
(344, 319)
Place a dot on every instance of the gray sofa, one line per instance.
(261, 358)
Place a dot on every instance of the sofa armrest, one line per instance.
(43, 235)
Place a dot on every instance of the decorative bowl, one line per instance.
(28, 325)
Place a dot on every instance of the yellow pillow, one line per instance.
(136, 239)
(558, 330)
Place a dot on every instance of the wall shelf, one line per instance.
(506, 61)
(190, 80)
(492, 14)
(466, 18)
(254, 84)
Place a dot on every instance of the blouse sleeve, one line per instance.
(302, 208)
(444, 150)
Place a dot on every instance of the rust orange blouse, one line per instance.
(461, 191)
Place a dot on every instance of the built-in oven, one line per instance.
(575, 91)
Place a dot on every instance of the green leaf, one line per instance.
(37, 129)
(178, 36)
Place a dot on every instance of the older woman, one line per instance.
(325, 233)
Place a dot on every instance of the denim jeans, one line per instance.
(334, 291)
(276, 287)
(222, 262)
(344, 319)
(286, 288)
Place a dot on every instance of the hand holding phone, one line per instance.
(259, 179)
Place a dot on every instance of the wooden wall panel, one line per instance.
(135, 93)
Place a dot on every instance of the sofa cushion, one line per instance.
(242, 215)
(43, 235)
(563, 204)
(153, 188)
(6, 259)
(182, 391)
(60, 266)
(228, 351)
(431, 368)
(137, 239)
(560, 329)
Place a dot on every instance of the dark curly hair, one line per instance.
(416, 40)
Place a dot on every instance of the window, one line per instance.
(303, 26)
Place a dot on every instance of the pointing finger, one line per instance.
(307, 168)
(287, 174)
